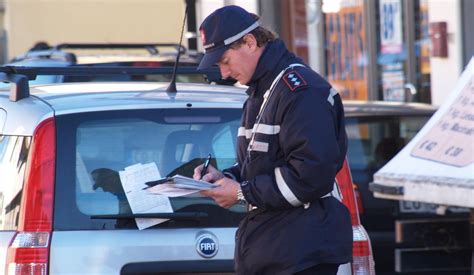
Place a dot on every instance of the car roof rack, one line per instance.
(57, 52)
(49, 53)
(19, 76)
(152, 48)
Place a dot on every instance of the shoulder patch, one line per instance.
(294, 80)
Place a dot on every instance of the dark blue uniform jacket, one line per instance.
(298, 146)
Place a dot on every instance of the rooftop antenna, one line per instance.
(172, 87)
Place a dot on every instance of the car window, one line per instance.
(94, 147)
(374, 140)
(13, 160)
(146, 78)
(184, 78)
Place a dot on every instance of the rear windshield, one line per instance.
(93, 147)
(13, 161)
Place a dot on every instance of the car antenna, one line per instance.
(172, 87)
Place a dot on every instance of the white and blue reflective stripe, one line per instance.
(336, 192)
(290, 196)
(260, 146)
(265, 129)
(332, 94)
(266, 97)
(242, 132)
(285, 190)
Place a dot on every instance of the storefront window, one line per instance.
(388, 39)
(422, 51)
(346, 51)
(392, 51)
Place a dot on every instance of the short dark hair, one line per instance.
(262, 35)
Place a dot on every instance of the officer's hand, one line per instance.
(225, 194)
(211, 175)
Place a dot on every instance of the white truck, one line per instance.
(437, 167)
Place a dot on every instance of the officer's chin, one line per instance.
(240, 82)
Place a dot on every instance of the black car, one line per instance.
(406, 236)
(139, 55)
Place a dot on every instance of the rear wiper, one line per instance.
(173, 216)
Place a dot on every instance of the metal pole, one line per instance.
(370, 23)
(192, 26)
(410, 27)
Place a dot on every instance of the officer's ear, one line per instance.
(250, 41)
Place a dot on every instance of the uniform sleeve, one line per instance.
(313, 143)
(233, 172)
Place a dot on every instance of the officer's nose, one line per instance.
(225, 72)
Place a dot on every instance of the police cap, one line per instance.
(221, 28)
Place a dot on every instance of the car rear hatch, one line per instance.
(95, 231)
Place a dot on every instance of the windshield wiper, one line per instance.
(173, 216)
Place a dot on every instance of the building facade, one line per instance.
(3, 34)
(394, 50)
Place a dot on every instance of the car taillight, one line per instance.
(360, 206)
(29, 250)
(344, 179)
(362, 258)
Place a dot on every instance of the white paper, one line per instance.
(133, 180)
(181, 186)
(170, 190)
(189, 183)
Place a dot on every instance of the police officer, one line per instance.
(291, 144)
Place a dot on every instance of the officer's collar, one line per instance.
(275, 57)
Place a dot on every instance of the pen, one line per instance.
(206, 165)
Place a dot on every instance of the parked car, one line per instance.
(95, 53)
(150, 55)
(406, 236)
(63, 208)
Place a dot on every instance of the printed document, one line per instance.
(133, 179)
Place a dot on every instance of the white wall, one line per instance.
(315, 30)
(89, 21)
(3, 39)
(446, 71)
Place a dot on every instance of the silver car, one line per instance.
(63, 207)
